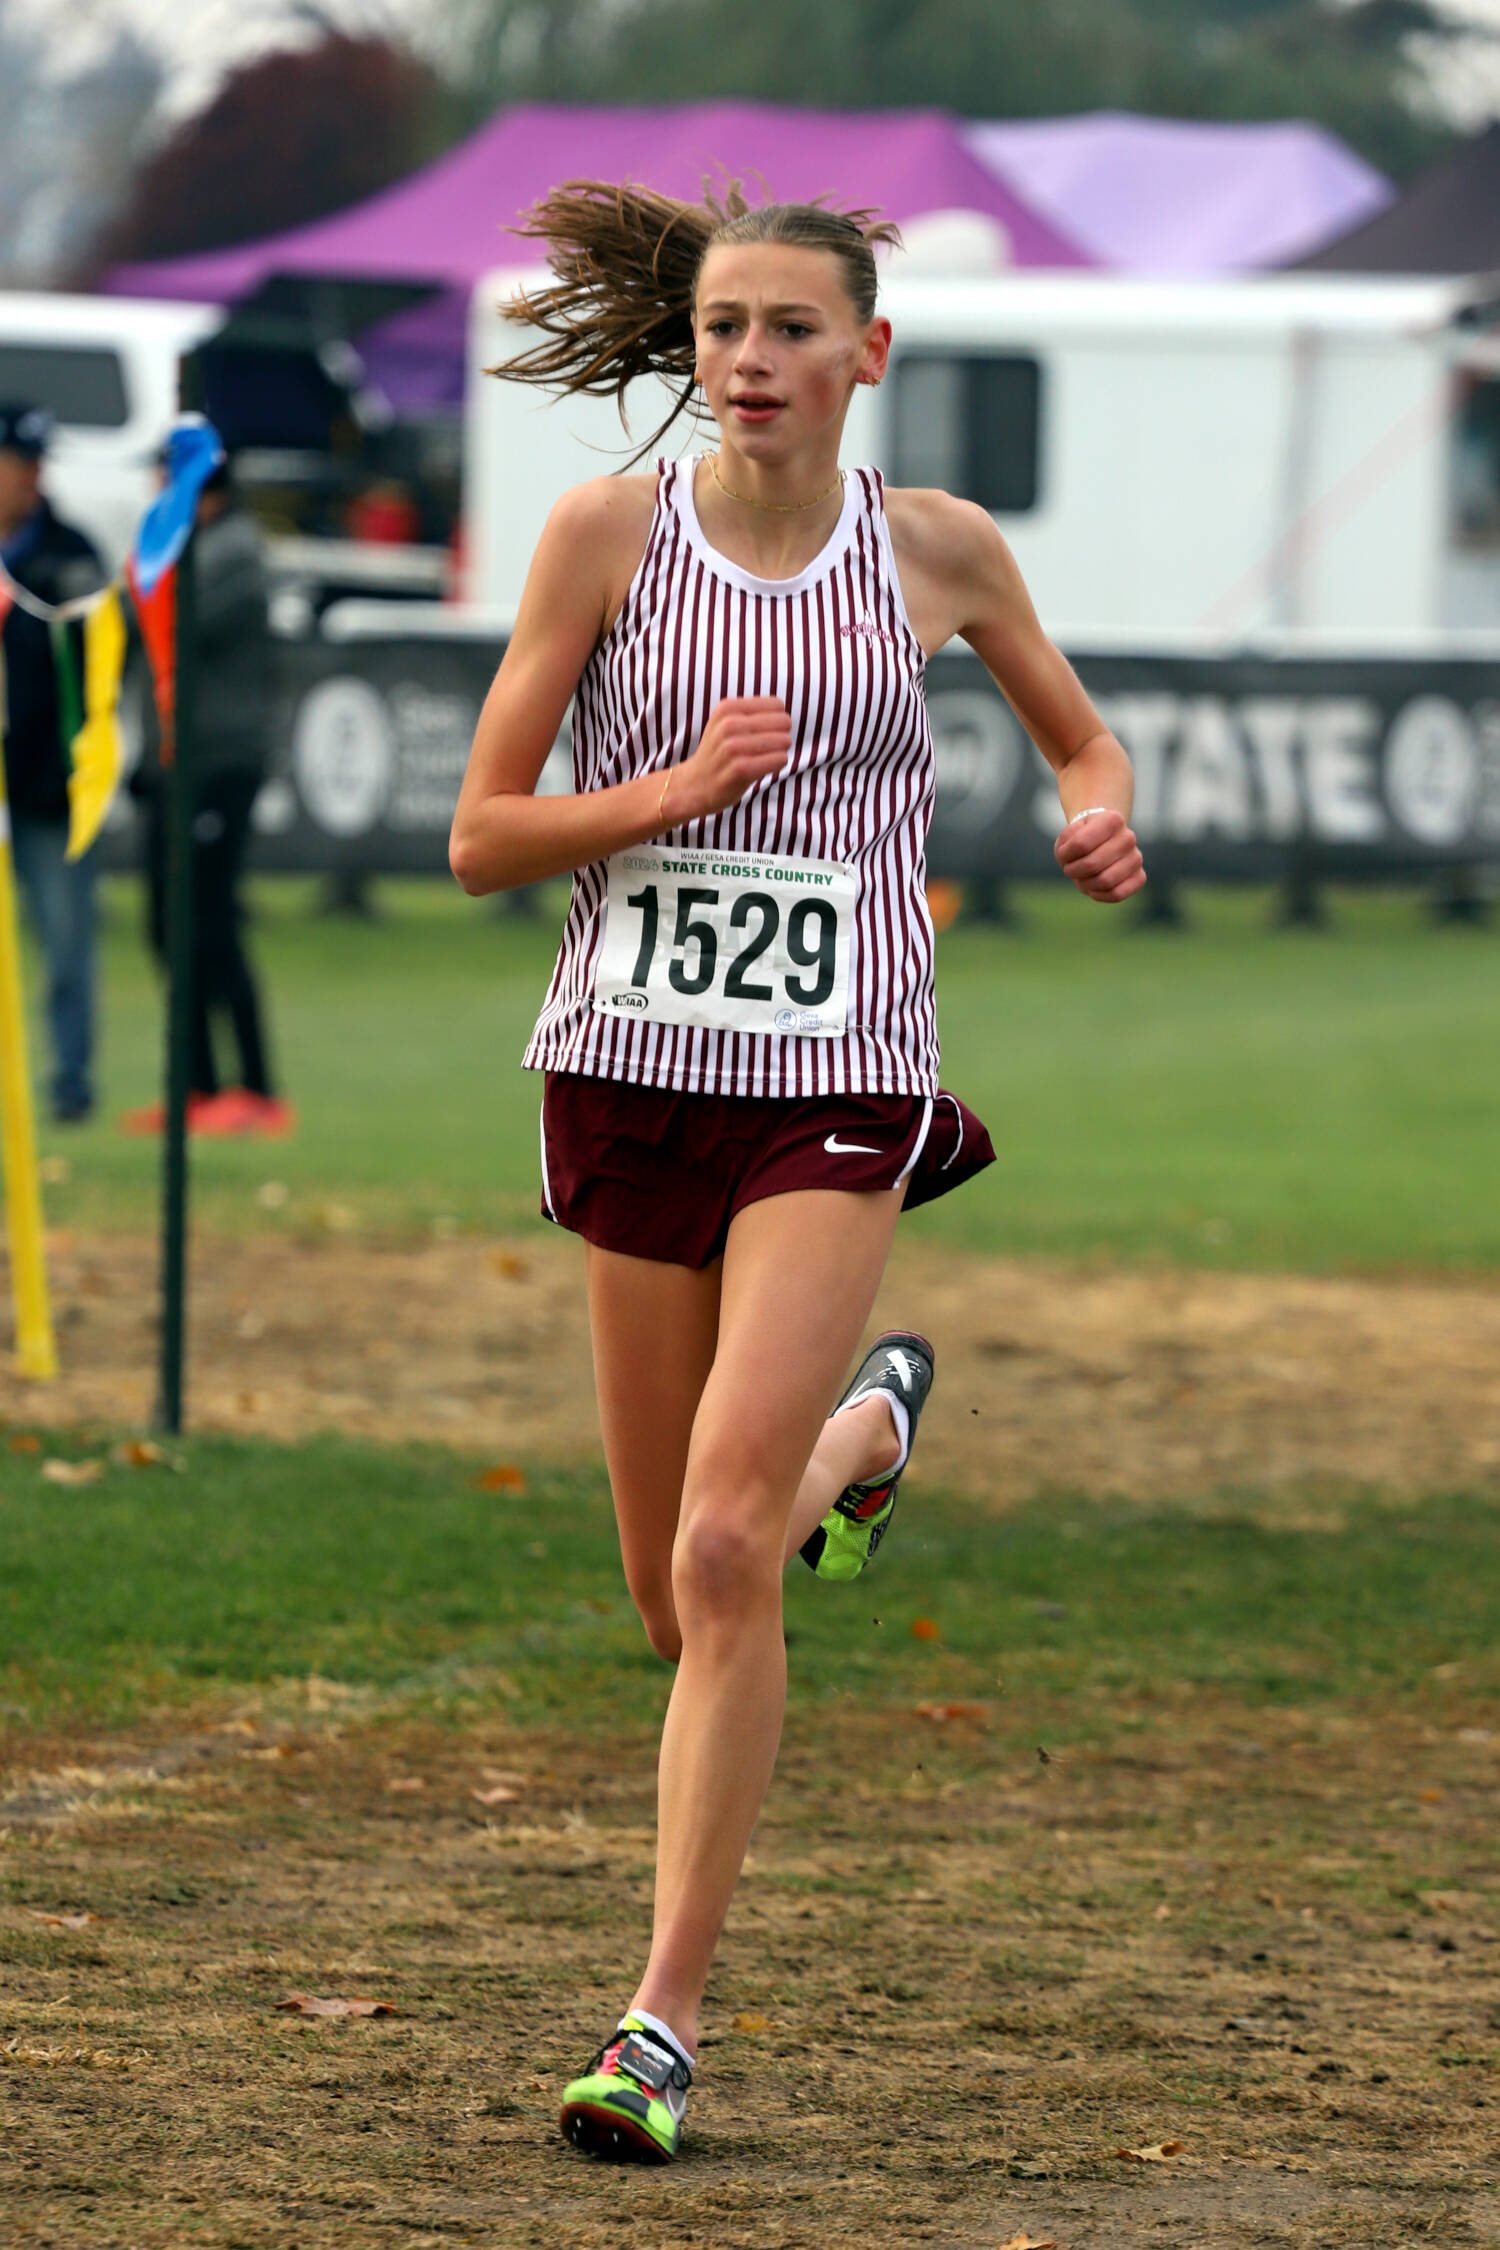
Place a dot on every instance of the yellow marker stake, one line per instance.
(36, 1352)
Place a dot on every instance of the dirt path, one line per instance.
(1139, 1382)
(951, 1994)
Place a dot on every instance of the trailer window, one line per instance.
(82, 384)
(1476, 461)
(971, 424)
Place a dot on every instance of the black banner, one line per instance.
(1243, 763)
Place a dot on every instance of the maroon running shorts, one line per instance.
(660, 1175)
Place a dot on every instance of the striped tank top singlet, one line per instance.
(835, 644)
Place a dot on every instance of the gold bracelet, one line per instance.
(661, 804)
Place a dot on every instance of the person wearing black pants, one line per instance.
(230, 746)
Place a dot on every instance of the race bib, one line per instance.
(727, 941)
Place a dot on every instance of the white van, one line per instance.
(107, 368)
(1205, 460)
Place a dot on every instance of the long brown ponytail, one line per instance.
(627, 263)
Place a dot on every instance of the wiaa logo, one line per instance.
(630, 1000)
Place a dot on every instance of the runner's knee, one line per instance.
(723, 1562)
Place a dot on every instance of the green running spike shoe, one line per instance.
(628, 2106)
(845, 1541)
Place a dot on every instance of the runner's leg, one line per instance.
(654, 1329)
(799, 1277)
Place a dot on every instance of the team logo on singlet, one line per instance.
(866, 629)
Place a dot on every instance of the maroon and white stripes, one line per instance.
(835, 644)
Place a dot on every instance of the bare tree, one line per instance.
(70, 140)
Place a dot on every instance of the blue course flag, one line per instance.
(193, 451)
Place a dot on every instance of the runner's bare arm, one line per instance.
(503, 834)
(962, 579)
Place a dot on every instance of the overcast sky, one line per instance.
(200, 39)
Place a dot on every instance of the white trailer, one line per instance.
(1206, 461)
(107, 368)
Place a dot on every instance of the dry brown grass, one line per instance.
(1148, 1383)
(1270, 1934)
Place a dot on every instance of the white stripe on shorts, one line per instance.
(541, 1120)
(910, 1165)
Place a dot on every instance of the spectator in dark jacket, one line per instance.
(52, 560)
(230, 751)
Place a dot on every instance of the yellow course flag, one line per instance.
(96, 750)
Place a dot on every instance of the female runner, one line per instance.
(739, 1037)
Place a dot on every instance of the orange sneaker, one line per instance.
(153, 1118)
(239, 1114)
(277, 1118)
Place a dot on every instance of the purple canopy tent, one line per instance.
(1158, 195)
(445, 225)
(1130, 193)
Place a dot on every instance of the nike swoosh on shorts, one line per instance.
(836, 1147)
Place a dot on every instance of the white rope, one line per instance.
(62, 613)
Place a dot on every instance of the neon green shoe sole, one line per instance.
(844, 1544)
(628, 2107)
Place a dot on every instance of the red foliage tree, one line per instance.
(288, 138)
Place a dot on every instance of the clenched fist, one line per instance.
(747, 738)
(1098, 851)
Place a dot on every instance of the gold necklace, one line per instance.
(772, 507)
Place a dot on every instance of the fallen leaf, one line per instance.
(498, 1795)
(251, 1326)
(72, 1472)
(55, 1171)
(1029, 2242)
(503, 1773)
(400, 1782)
(1031, 2168)
(62, 1921)
(748, 2020)
(308, 2004)
(1160, 2152)
(925, 1629)
(1447, 1902)
(508, 1265)
(1161, 1914)
(939, 1714)
(1430, 1796)
(25, 1443)
(142, 1453)
(503, 1477)
(273, 1195)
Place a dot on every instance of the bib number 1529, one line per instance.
(727, 942)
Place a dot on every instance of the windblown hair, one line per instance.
(627, 263)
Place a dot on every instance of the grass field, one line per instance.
(1246, 1901)
(1230, 1096)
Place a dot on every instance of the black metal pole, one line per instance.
(178, 786)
